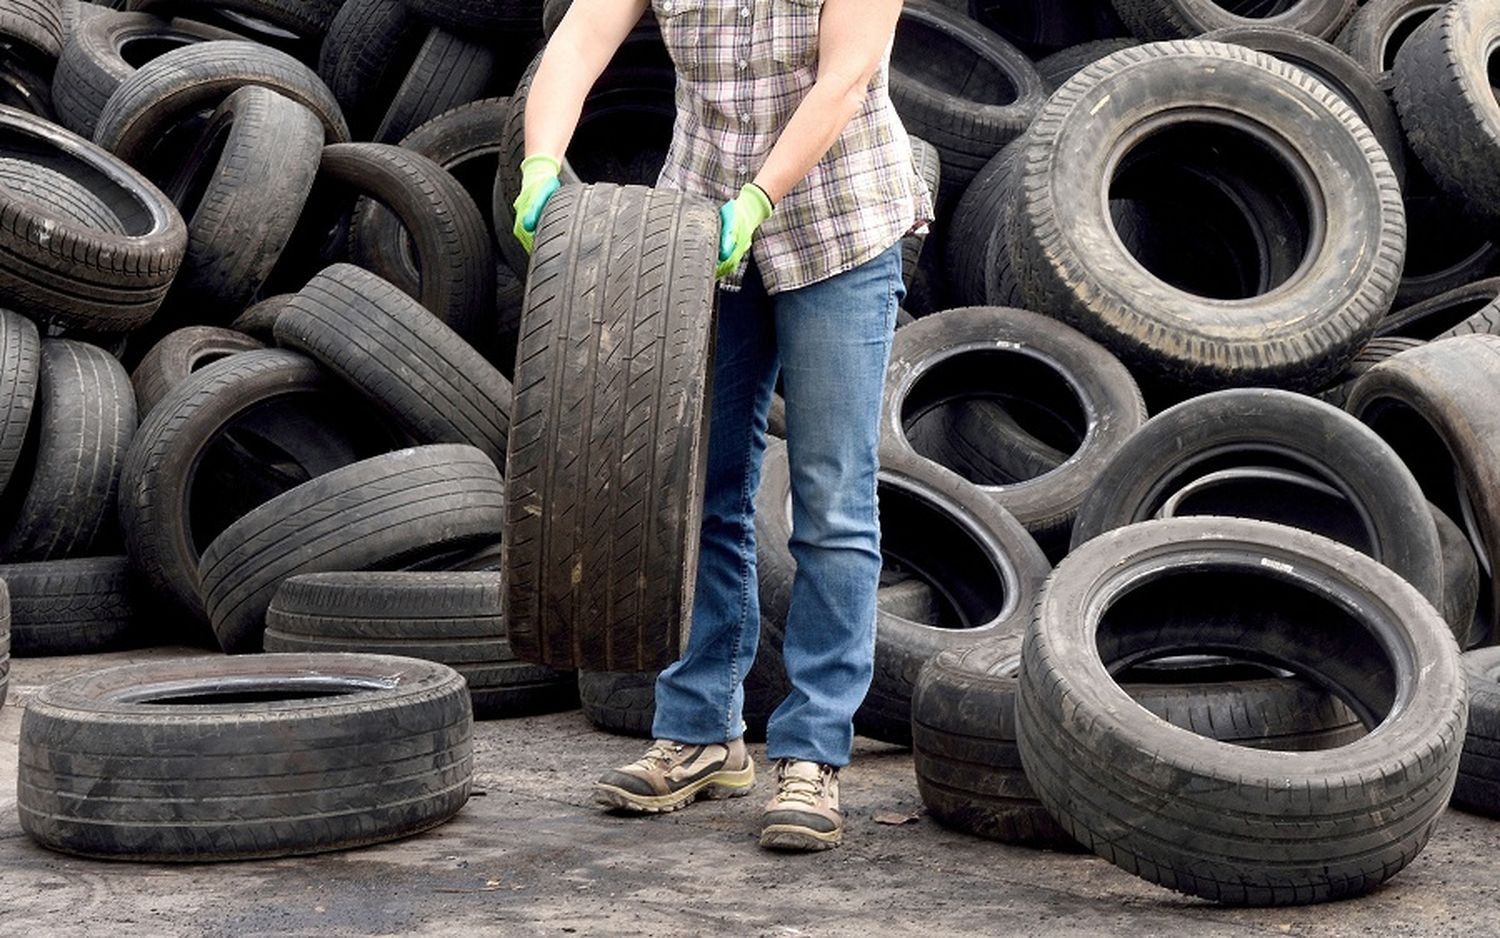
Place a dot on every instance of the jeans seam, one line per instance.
(739, 637)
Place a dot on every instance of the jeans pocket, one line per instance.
(794, 31)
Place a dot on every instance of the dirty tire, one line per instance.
(1374, 352)
(1460, 579)
(1433, 405)
(453, 248)
(377, 513)
(415, 369)
(77, 276)
(83, 423)
(4, 644)
(1074, 265)
(608, 438)
(522, 17)
(1063, 64)
(451, 618)
(939, 530)
(1378, 29)
(621, 702)
(1059, 383)
(259, 320)
(174, 86)
(1444, 96)
(36, 24)
(1183, 19)
(363, 59)
(70, 607)
(204, 457)
(449, 71)
(333, 752)
(968, 764)
(93, 62)
(241, 192)
(1241, 827)
(1478, 787)
(1473, 307)
(929, 166)
(178, 355)
(20, 371)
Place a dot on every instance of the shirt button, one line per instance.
(744, 118)
(744, 64)
(744, 12)
(666, 6)
(744, 169)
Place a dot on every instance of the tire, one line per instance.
(1433, 406)
(451, 242)
(306, 18)
(231, 436)
(1366, 496)
(259, 321)
(35, 24)
(171, 88)
(620, 702)
(1443, 95)
(607, 447)
(1447, 248)
(1240, 827)
(83, 423)
(961, 88)
(1375, 351)
(242, 192)
(1460, 580)
(451, 618)
(930, 170)
(449, 71)
(1478, 787)
(178, 355)
(70, 607)
(378, 513)
(466, 143)
(1462, 311)
(125, 764)
(1074, 266)
(1343, 75)
(20, 372)
(81, 277)
(1184, 19)
(368, 50)
(416, 370)
(4, 645)
(93, 62)
(634, 100)
(977, 260)
(1058, 67)
(24, 85)
(968, 765)
(1060, 386)
(494, 16)
(50, 192)
(1039, 27)
(1378, 30)
(942, 531)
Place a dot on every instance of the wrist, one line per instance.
(758, 199)
(540, 165)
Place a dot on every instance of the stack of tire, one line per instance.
(1258, 671)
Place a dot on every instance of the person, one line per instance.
(783, 112)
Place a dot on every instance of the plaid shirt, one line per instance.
(743, 66)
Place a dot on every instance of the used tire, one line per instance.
(416, 370)
(178, 355)
(1471, 308)
(84, 421)
(961, 88)
(20, 371)
(451, 618)
(36, 24)
(449, 71)
(1434, 406)
(1374, 352)
(1058, 388)
(1301, 311)
(1182, 19)
(1369, 499)
(968, 765)
(70, 607)
(77, 276)
(1378, 30)
(308, 18)
(982, 566)
(1478, 787)
(929, 166)
(107, 49)
(381, 512)
(368, 50)
(211, 759)
(1063, 64)
(1460, 579)
(611, 384)
(496, 16)
(232, 435)
(1240, 826)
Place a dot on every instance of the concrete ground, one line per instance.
(530, 856)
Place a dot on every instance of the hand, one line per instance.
(738, 220)
(538, 182)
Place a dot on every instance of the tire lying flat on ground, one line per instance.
(237, 758)
(451, 618)
(1209, 313)
(608, 437)
(1240, 826)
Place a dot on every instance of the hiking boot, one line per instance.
(672, 775)
(804, 813)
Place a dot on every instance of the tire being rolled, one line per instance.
(241, 758)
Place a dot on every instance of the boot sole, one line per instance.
(800, 839)
(715, 787)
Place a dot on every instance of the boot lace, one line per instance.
(799, 788)
(663, 753)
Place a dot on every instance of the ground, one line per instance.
(530, 856)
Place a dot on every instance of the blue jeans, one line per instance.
(831, 342)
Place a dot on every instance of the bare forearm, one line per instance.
(576, 56)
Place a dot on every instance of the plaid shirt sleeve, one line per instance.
(743, 67)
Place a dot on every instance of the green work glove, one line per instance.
(738, 220)
(538, 182)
